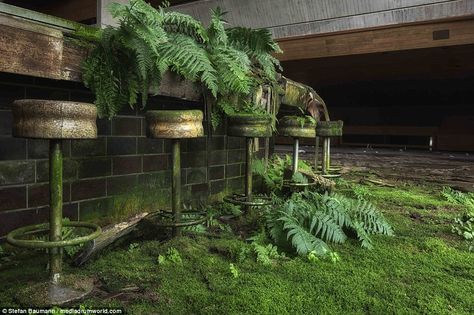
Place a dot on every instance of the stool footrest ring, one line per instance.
(331, 168)
(289, 183)
(168, 217)
(13, 236)
(335, 175)
(239, 199)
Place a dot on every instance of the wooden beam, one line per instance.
(39, 18)
(402, 37)
(30, 49)
(33, 49)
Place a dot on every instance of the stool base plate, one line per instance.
(71, 288)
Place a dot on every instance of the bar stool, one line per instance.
(295, 127)
(176, 125)
(326, 130)
(55, 121)
(250, 127)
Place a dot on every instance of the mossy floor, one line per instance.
(423, 269)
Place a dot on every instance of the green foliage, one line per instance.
(234, 271)
(131, 59)
(304, 119)
(313, 257)
(273, 174)
(133, 247)
(463, 224)
(334, 257)
(464, 227)
(172, 257)
(361, 191)
(459, 198)
(265, 254)
(261, 250)
(308, 221)
(299, 178)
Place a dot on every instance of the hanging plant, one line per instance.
(130, 60)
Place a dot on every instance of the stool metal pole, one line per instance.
(296, 147)
(316, 154)
(56, 206)
(248, 169)
(176, 185)
(326, 155)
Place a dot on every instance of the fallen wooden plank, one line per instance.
(110, 235)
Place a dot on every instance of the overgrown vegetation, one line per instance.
(424, 269)
(130, 60)
(279, 169)
(308, 221)
(463, 224)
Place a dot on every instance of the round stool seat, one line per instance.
(329, 128)
(174, 124)
(45, 119)
(297, 127)
(249, 126)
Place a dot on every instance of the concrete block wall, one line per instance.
(121, 160)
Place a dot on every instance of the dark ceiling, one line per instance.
(431, 63)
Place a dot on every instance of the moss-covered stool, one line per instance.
(296, 127)
(55, 121)
(326, 130)
(176, 125)
(249, 126)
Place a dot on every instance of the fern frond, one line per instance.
(216, 30)
(255, 40)
(233, 67)
(185, 24)
(303, 241)
(190, 60)
(325, 228)
(362, 235)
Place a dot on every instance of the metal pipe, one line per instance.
(316, 154)
(248, 169)
(328, 159)
(296, 147)
(176, 185)
(326, 155)
(56, 207)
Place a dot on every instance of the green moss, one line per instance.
(329, 128)
(423, 269)
(249, 125)
(297, 126)
(175, 115)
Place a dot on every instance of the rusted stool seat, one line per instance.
(250, 127)
(176, 125)
(326, 130)
(296, 127)
(54, 120)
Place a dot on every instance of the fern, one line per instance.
(309, 221)
(130, 60)
(459, 198)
